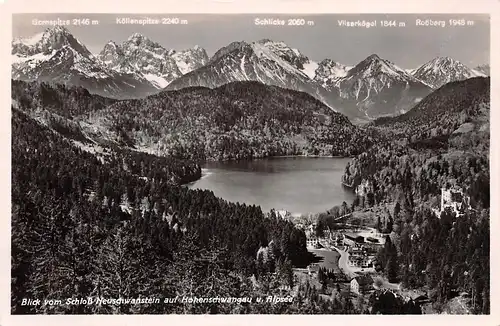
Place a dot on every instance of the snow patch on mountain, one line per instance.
(263, 52)
(242, 66)
(30, 41)
(483, 69)
(329, 72)
(310, 69)
(157, 81)
(34, 59)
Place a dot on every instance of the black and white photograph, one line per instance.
(250, 164)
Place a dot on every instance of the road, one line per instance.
(341, 217)
(344, 258)
(343, 263)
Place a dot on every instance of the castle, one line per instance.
(455, 199)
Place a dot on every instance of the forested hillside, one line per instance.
(444, 111)
(239, 120)
(48, 106)
(442, 142)
(235, 121)
(82, 227)
(57, 98)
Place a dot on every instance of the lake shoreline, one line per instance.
(256, 159)
(275, 156)
(309, 156)
(317, 179)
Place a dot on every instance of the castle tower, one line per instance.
(443, 195)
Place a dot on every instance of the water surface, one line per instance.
(296, 184)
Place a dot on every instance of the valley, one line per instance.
(384, 197)
(144, 171)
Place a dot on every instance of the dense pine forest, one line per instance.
(101, 219)
(442, 142)
(71, 237)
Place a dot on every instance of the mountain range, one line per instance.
(140, 56)
(139, 67)
(136, 68)
(377, 87)
(265, 61)
(442, 70)
(56, 56)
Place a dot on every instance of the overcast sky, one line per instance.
(407, 46)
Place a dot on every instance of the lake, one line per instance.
(297, 184)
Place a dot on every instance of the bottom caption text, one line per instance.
(146, 300)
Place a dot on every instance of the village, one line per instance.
(347, 257)
(347, 267)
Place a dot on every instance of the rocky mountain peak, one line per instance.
(373, 57)
(52, 39)
(138, 37)
(142, 56)
(484, 69)
(329, 71)
(374, 65)
(55, 55)
(442, 70)
(227, 49)
(111, 48)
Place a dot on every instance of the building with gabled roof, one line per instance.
(361, 284)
